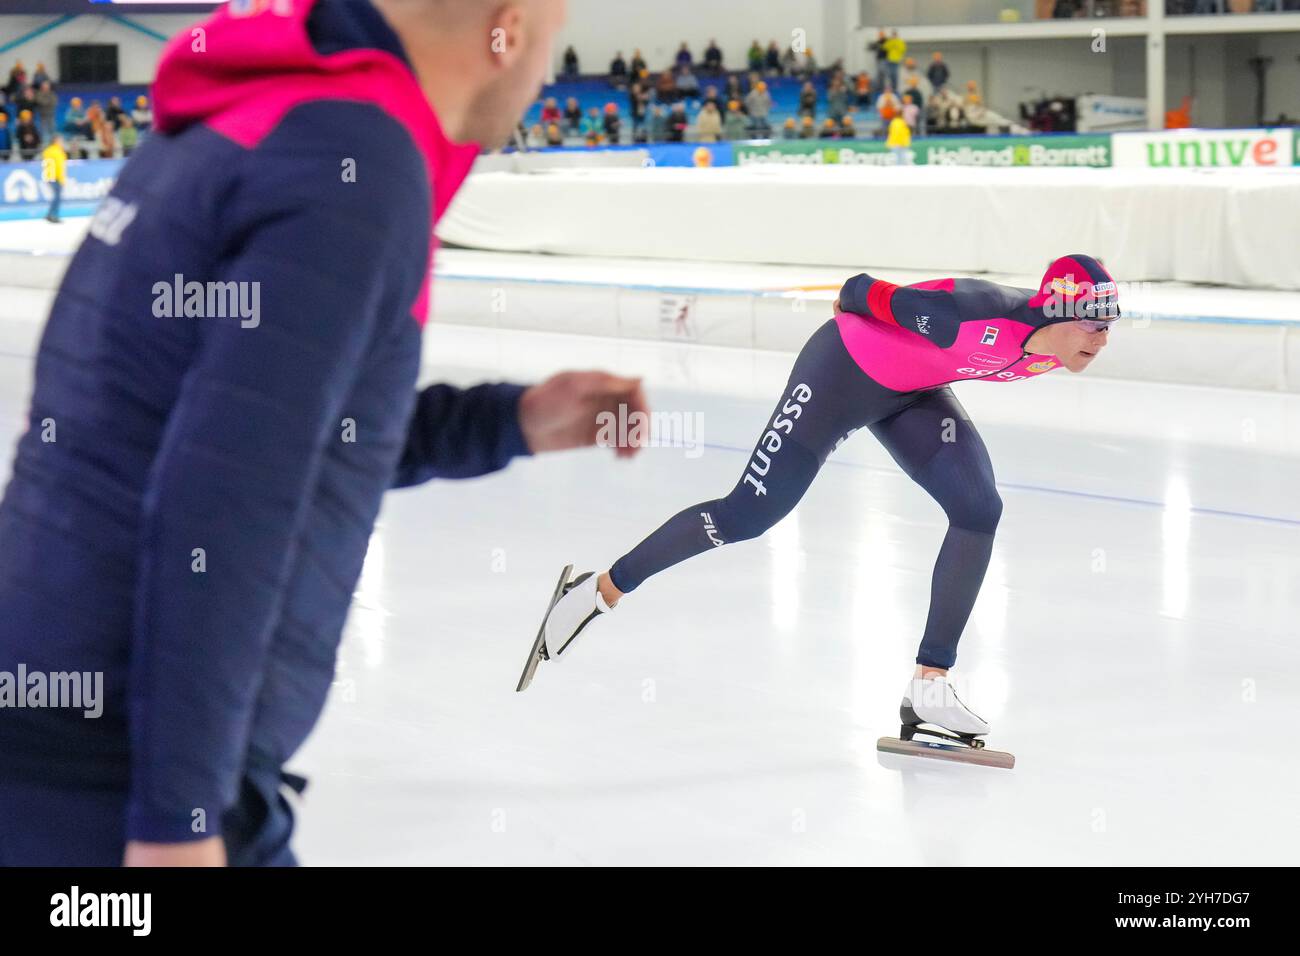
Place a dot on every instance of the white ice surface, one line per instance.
(1135, 644)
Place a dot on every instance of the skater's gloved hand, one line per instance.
(565, 412)
(209, 852)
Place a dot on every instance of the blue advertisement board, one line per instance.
(23, 194)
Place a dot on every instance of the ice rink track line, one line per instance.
(1047, 490)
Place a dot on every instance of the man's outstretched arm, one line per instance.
(461, 433)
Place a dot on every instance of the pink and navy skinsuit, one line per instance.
(195, 531)
(885, 363)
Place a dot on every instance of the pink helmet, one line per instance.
(1076, 287)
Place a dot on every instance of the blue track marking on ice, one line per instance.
(1067, 492)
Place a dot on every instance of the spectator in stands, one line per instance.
(26, 100)
(830, 129)
(913, 89)
(755, 57)
(47, 104)
(808, 100)
(550, 111)
(847, 128)
(554, 137)
(658, 125)
(571, 118)
(618, 71)
(115, 111)
(888, 106)
(899, 140)
(128, 135)
(54, 170)
(713, 58)
(684, 60)
(638, 102)
(613, 124)
(938, 73)
(570, 60)
(789, 129)
(677, 123)
(638, 64)
(536, 137)
(837, 99)
(1065, 9)
(711, 95)
(708, 125)
(75, 124)
(977, 114)
(758, 104)
(665, 88)
(41, 76)
(806, 128)
(27, 136)
(895, 50)
(105, 134)
(733, 90)
(972, 92)
(951, 115)
(862, 90)
(142, 115)
(911, 75)
(911, 112)
(593, 122)
(688, 84)
(734, 125)
(772, 59)
(6, 142)
(789, 62)
(878, 47)
(17, 80)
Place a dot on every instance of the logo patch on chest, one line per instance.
(1037, 367)
(990, 336)
(986, 360)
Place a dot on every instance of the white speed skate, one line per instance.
(574, 604)
(932, 708)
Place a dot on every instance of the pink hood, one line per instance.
(240, 71)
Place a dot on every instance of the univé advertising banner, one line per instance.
(1191, 148)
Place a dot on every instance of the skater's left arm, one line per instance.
(929, 312)
(463, 433)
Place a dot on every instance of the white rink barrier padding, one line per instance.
(1201, 336)
(1226, 352)
(1236, 227)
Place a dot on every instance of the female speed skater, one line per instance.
(885, 363)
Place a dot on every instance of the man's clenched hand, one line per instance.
(562, 412)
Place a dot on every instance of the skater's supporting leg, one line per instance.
(936, 444)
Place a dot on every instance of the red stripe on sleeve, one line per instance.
(879, 297)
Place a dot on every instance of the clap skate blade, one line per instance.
(957, 747)
(538, 653)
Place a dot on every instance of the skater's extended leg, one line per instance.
(826, 397)
(936, 444)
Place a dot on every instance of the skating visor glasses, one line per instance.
(1095, 325)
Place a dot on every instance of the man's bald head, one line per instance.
(480, 62)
